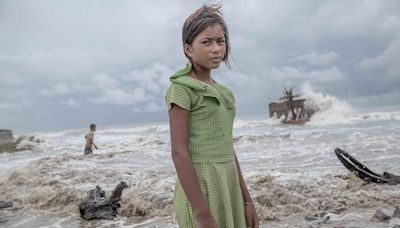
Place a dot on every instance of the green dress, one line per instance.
(212, 111)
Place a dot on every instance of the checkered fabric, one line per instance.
(212, 111)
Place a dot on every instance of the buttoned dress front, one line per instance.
(211, 114)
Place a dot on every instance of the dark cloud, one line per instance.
(66, 64)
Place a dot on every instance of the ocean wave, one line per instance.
(329, 109)
(53, 185)
(22, 143)
(252, 138)
(150, 140)
(126, 130)
(240, 123)
(276, 200)
(377, 116)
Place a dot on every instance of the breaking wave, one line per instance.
(54, 185)
(331, 110)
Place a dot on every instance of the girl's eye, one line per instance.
(207, 42)
(221, 41)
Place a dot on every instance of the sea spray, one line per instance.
(329, 109)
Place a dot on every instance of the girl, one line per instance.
(210, 191)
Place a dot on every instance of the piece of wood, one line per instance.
(363, 172)
(97, 206)
(4, 204)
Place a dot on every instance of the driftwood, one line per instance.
(97, 206)
(363, 172)
(4, 204)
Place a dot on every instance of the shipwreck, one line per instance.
(294, 110)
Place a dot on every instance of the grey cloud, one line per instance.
(317, 59)
(58, 89)
(8, 106)
(137, 86)
(10, 78)
(386, 62)
(324, 75)
(149, 107)
(15, 106)
(112, 60)
(70, 103)
(113, 94)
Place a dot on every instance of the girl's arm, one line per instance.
(250, 211)
(179, 128)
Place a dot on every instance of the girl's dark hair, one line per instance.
(201, 19)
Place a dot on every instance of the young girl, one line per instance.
(210, 191)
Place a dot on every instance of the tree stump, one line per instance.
(97, 206)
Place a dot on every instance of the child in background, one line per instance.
(210, 191)
(89, 139)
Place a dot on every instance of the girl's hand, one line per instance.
(251, 216)
(206, 221)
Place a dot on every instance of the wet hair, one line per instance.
(92, 126)
(204, 17)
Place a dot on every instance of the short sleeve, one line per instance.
(178, 94)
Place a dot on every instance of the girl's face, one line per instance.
(208, 48)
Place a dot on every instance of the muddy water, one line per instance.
(291, 172)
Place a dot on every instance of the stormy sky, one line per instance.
(66, 64)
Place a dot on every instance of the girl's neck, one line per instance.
(201, 74)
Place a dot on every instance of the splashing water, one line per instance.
(291, 171)
(330, 109)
